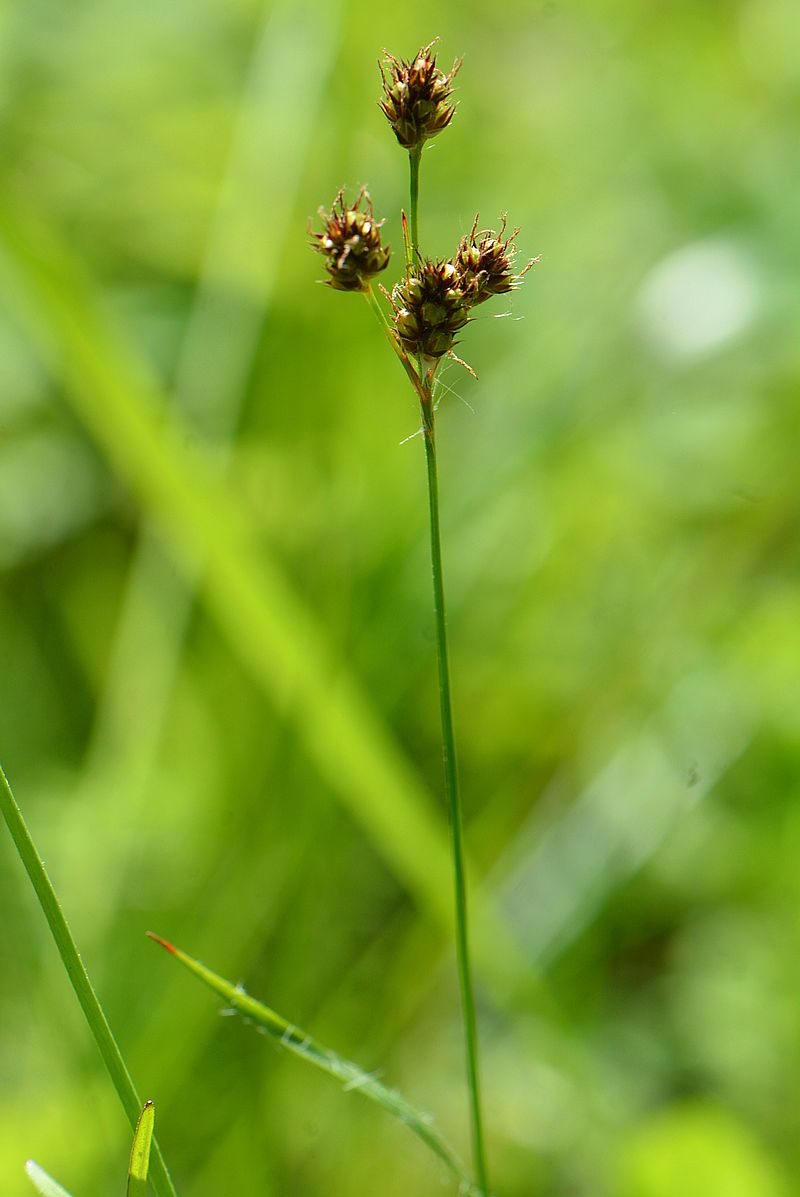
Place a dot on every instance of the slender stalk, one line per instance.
(425, 390)
(407, 254)
(414, 158)
(79, 978)
(453, 796)
(378, 312)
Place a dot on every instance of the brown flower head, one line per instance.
(350, 242)
(429, 309)
(416, 99)
(484, 263)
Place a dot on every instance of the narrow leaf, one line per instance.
(79, 978)
(351, 1075)
(140, 1152)
(43, 1183)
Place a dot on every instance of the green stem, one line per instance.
(453, 796)
(425, 390)
(78, 976)
(414, 158)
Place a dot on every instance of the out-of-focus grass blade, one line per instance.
(140, 1152)
(351, 1075)
(43, 1183)
(265, 621)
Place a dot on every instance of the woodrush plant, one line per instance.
(427, 308)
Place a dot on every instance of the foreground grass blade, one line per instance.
(43, 1183)
(78, 976)
(140, 1152)
(351, 1075)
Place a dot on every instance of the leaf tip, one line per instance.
(163, 942)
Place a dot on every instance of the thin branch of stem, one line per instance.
(378, 311)
(453, 795)
(407, 252)
(79, 978)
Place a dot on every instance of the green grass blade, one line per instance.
(351, 1075)
(140, 1151)
(265, 621)
(78, 976)
(43, 1183)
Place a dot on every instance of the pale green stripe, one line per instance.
(43, 1183)
(267, 625)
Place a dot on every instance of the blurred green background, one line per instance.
(219, 706)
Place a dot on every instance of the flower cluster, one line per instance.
(351, 244)
(416, 97)
(429, 308)
(434, 302)
(484, 262)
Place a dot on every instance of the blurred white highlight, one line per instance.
(698, 299)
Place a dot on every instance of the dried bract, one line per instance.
(484, 263)
(416, 100)
(429, 309)
(350, 242)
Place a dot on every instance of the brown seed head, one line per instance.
(484, 263)
(350, 242)
(429, 309)
(416, 96)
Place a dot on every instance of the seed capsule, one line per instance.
(416, 99)
(351, 244)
